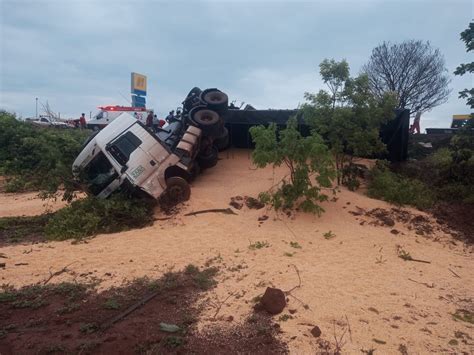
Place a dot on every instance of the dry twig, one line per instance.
(57, 273)
(454, 273)
(212, 210)
(423, 283)
(219, 304)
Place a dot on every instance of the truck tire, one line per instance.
(177, 190)
(215, 100)
(223, 141)
(207, 120)
(208, 160)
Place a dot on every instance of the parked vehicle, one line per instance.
(47, 122)
(161, 163)
(109, 113)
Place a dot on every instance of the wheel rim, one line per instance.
(176, 193)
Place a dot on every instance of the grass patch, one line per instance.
(295, 245)
(329, 235)
(91, 216)
(82, 218)
(18, 229)
(388, 186)
(259, 245)
(288, 254)
(285, 317)
(464, 315)
(111, 303)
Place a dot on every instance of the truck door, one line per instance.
(127, 152)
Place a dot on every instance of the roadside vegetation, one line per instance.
(80, 219)
(36, 158)
(40, 159)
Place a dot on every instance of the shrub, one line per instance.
(37, 158)
(307, 159)
(90, 216)
(386, 185)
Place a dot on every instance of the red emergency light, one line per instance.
(122, 108)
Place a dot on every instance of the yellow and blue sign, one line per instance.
(138, 84)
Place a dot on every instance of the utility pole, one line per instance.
(36, 108)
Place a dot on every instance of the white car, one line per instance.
(46, 121)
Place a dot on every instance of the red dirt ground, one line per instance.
(73, 318)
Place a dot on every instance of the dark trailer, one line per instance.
(238, 122)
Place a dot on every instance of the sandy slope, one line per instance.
(27, 204)
(355, 277)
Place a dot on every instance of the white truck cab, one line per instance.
(128, 153)
(109, 113)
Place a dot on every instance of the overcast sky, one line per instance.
(78, 54)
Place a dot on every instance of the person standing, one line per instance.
(416, 123)
(149, 120)
(82, 121)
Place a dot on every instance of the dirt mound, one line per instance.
(457, 218)
(251, 202)
(422, 225)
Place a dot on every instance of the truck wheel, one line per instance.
(215, 100)
(207, 120)
(223, 141)
(177, 189)
(209, 160)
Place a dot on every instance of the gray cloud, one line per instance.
(79, 54)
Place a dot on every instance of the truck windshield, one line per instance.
(98, 174)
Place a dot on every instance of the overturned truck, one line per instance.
(161, 161)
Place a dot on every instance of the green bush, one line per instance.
(386, 185)
(91, 216)
(37, 158)
(309, 163)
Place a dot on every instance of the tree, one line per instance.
(307, 159)
(334, 75)
(413, 70)
(351, 125)
(467, 36)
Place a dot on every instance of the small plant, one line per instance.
(402, 254)
(464, 315)
(403, 349)
(329, 235)
(205, 278)
(288, 254)
(88, 328)
(68, 308)
(285, 317)
(380, 260)
(216, 259)
(259, 245)
(453, 342)
(378, 341)
(257, 299)
(174, 341)
(191, 269)
(295, 245)
(111, 304)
